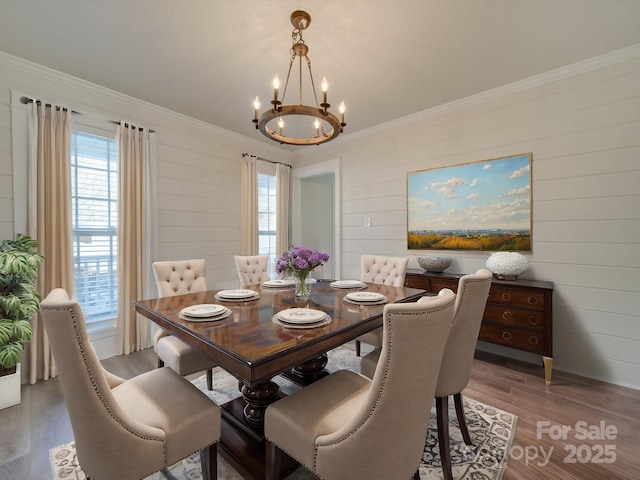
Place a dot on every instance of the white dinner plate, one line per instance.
(365, 296)
(301, 315)
(279, 283)
(348, 284)
(220, 316)
(306, 280)
(237, 294)
(203, 310)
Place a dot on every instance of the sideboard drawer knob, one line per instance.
(507, 315)
(506, 335)
(506, 297)
(533, 340)
(532, 300)
(533, 320)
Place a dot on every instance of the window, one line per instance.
(94, 197)
(267, 218)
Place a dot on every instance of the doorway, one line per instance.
(315, 213)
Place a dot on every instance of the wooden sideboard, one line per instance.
(518, 312)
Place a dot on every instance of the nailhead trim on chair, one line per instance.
(99, 393)
(382, 388)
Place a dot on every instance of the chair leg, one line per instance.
(210, 379)
(273, 461)
(462, 421)
(357, 348)
(209, 462)
(442, 415)
(416, 476)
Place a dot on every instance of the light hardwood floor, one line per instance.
(40, 422)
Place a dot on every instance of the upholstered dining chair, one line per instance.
(471, 299)
(348, 426)
(252, 269)
(385, 271)
(177, 277)
(126, 428)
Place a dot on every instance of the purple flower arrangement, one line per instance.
(299, 261)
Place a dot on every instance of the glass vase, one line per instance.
(302, 288)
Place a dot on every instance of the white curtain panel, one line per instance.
(135, 149)
(249, 207)
(49, 216)
(283, 208)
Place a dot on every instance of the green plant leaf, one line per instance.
(22, 330)
(6, 330)
(10, 354)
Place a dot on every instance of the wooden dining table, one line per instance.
(253, 348)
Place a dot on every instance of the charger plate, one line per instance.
(321, 323)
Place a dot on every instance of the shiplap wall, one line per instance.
(198, 169)
(584, 135)
(583, 131)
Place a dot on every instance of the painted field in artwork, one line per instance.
(483, 205)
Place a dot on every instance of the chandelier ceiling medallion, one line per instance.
(306, 125)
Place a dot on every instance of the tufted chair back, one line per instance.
(383, 270)
(345, 426)
(252, 269)
(177, 277)
(473, 291)
(123, 428)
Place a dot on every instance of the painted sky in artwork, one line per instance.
(492, 194)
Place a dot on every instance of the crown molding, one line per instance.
(109, 95)
(617, 56)
(578, 68)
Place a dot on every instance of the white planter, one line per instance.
(10, 389)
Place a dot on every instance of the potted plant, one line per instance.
(19, 301)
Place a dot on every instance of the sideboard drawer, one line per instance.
(423, 283)
(516, 297)
(516, 317)
(438, 284)
(528, 340)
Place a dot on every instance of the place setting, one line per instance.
(365, 298)
(206, 312)
(347, 284)
(237, 295)
(301, 318)
(279, 283)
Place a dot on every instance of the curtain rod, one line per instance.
(125, 123)
(264, 159)
(26, 100)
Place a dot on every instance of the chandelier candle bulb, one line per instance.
(342, 110)
(256, 106)
(325, 87)
(276, 86)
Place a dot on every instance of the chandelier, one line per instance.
(306, 125)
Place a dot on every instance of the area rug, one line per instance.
(491, 430)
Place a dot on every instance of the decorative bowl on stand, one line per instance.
(507, 265)
(434, 264)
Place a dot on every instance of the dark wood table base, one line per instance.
(243, 445)
(242, 442)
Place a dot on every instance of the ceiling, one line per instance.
(385, 59)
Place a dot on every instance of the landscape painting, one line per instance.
(484, 205)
